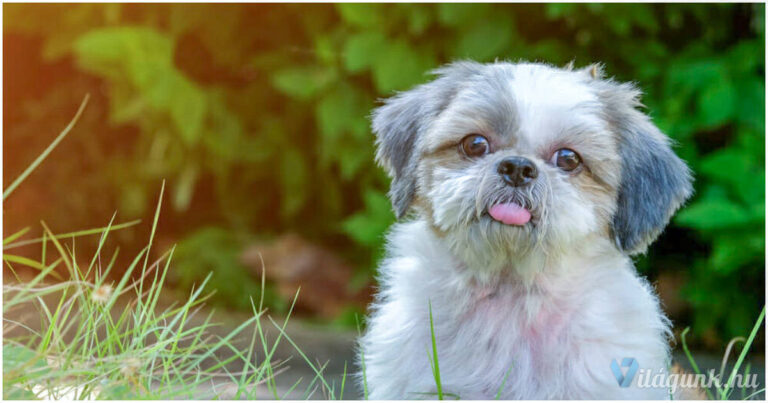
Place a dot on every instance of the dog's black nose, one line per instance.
(517, 171)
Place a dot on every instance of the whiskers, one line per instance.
(544, 187)
(479, 205)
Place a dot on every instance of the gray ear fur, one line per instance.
(401, 121)
(654, 181)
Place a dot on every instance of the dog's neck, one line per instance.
(536, 265)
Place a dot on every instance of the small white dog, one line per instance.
(530, 187)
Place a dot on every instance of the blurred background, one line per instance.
(257, 118)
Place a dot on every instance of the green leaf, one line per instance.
(144, 58)
(225, 138)
(736, 169)
(717, 103)
(751, 103)
(485, 41)
(461, 14)
(341, 110)
(352, 161)
(187, 107)
(642, 16)
(559, 10)
(400, 67)
(695, 74)
(125, 104)
(419, 17)
(361, 50)
(368, 227)
(302, 82)
(368, 15)
(738, 166)
(111, 51)
(732, 251)
(746, 55)
(343, 126)
(325, 49)
(713, 215)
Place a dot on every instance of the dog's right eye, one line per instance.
(566, 159)
(475, 145)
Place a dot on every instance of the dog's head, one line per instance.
(503, 159)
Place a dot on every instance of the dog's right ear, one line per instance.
(401, 121)
(654, 181)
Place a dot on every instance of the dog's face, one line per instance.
(507, 159)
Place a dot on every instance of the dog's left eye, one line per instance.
(475, 145)
(566, 159)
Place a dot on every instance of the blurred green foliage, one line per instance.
(259, 113)
(216, 251)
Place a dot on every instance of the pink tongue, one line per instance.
(510, 214)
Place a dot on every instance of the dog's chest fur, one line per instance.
(550, 337)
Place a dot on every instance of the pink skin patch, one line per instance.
(510, 214)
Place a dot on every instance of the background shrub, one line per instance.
(257, 115)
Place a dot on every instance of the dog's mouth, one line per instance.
(510, 213)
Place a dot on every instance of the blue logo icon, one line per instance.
(624, 378)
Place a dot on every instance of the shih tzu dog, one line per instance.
(530, 187)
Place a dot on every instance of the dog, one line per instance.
(527, 188)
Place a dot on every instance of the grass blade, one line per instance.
(692, 361)
(435, 362)
(7, 192)
(728, 385)
(23, 261)
(75, 234)
(503, 383)
(15, 236)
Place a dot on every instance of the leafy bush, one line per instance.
(216, 251)
(258, 113)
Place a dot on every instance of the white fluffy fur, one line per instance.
(547, 305)
(556, 337)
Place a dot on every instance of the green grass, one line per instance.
(724, 390)
(96, 339)
(433, 359)
(82, 336)
(7, 192)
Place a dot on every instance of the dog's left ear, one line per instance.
(401, 121)
(654, 181)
